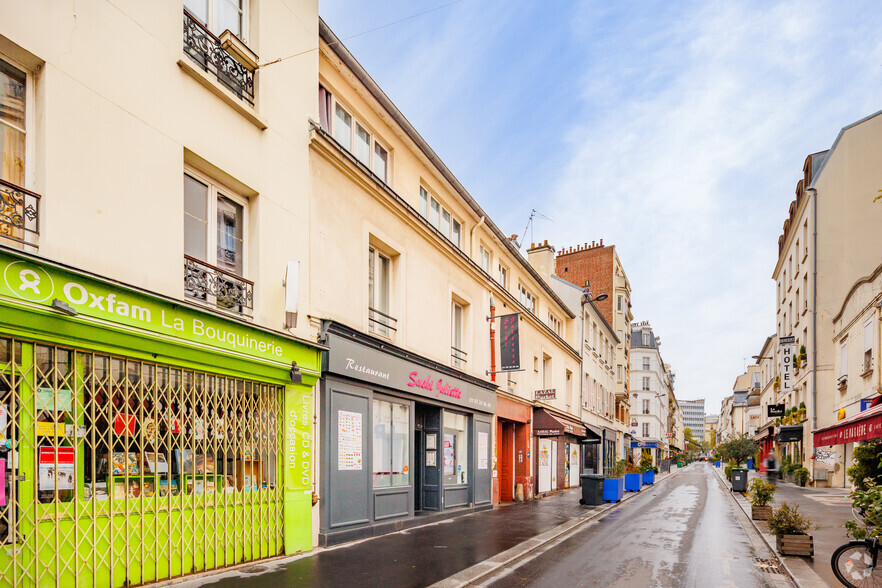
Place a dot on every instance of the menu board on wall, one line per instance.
(349, 440)
(449, 440)
(483, 450)
(509, 342)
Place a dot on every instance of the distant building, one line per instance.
(710, 428)
(693, 417)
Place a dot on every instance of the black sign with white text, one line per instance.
(775, 410)
(509, 343)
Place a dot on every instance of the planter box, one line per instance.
(649, 477)
(632, 483)
(790, 478)
(716, 464)
(613, 489)
(801, 545)
(760, 513)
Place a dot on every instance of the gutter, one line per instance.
(814, 309)
(334, 43)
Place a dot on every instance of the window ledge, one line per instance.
(867, 372)
(191, 69)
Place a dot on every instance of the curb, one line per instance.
(787, 562)
(487, 567)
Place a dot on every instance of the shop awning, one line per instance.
(594, 434)
(764, 432)
(859, 427)
(789, 434)
(546, 424)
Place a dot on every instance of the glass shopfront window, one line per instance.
(391, 425)
(456, 448)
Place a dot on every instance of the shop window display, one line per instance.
(456, 449)
(391, 457)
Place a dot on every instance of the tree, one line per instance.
(687, 432)
(738, 448)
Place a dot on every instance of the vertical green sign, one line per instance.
(298, 448)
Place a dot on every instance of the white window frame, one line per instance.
(620, 303)
(29, 122)
(645, 430)
(212, 24)
(502, 274)
(373, 141)
(376, 326)
(554, 323)
(646, 364)
(843, 359)
(868, 345)
(427, 202)
(527, 299)
(486, 258)
(216, 189)
(460, 345)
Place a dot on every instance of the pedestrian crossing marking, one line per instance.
(832, 500)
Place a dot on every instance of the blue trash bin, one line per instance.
(750, 464)
(717, 464)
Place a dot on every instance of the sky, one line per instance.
(676, 131)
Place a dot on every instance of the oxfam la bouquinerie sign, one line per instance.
(25, 280)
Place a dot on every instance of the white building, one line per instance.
(651, 393)
(693, 417)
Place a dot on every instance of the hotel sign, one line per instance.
(786, 364)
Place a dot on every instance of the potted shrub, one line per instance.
(802, 357)
(761, 494)
(777, 383)
(614, 486)
(789, 526)
(632, 478)
(647, 468)
(800, 476)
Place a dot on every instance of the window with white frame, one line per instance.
(620, 303)
(485, 259)
(645, 339)
(868, 344)
(646, 363)
(619, 372)
(546, 372)
(353, 135)
(503, 276)
(391, 443)
(215, 222)
(440, 218)
(221, 15)
(458, 356)
(645, 383)
(527, 299)
(621, 338)
(646, 429)
(379, 289)
(554, 323)
(843, 359)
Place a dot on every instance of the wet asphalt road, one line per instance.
(682, 533)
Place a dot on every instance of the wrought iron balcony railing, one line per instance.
(380, 322)
(207, 283)
(19, 212)
(205, 49)
(458, 356)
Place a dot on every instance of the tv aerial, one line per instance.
(534, 214)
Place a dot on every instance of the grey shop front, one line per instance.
(402, 438)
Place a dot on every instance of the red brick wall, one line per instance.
(590, 262)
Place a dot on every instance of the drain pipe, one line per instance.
(472, 241)
(814, 308)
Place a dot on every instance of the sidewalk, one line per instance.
(829, 508)
(467, 547)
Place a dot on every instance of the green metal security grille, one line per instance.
(119, 472)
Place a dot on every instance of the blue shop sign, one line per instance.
(646, 444)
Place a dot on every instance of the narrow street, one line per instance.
(683, 533)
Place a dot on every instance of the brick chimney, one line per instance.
(541, 257)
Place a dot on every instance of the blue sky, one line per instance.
(676, 131)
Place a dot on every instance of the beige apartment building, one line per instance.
(406, 269)
(154, 243)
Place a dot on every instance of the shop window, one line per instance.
(379, 287)
(214, 245)
(391, 457)
(456, 449)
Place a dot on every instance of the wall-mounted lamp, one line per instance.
(63, 307)
(296, 376)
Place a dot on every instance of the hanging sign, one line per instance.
(786, 367)
(509, 342)
(775, 410)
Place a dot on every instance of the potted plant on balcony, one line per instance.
(789, 526)
(802, 354)
(761, 494)
(777, 383)
(614, 485)
(800, 412)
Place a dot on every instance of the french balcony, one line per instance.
(19, 213)
(212, 285)
(381, 323)
(458, 357)
(213, 55)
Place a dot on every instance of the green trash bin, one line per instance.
(739, 479)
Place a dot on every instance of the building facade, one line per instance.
(158, 395)
(651, 394)
(693, 417)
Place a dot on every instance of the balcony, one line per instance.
(19, 213)
(212, 285)
(381, 323)
(458, 357)
(215, 57)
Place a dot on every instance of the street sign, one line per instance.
(549, 394)
(775, 410)
(509, 343)
(790, 340)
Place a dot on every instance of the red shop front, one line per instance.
(512, 450)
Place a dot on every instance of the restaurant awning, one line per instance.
(764, 432)
(859, 427)
(789, 434)
(547, 424)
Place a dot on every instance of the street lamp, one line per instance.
(588, 296)
(759, 357)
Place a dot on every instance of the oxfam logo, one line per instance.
(29, 282)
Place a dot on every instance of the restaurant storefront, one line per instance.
(834, 444)
(558, 445)
(142, 438)
(401, 435)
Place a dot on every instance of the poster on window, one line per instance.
(349, 440)
(483, 450)
(449, 460)
(56, 474)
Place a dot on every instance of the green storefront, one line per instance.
(143, 439)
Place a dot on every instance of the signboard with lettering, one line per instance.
(789, 340)
(509, 342)
(775, 410)
(356, 360)
(786, 369)
(549, 394)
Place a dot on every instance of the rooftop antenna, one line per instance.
(533, 214)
